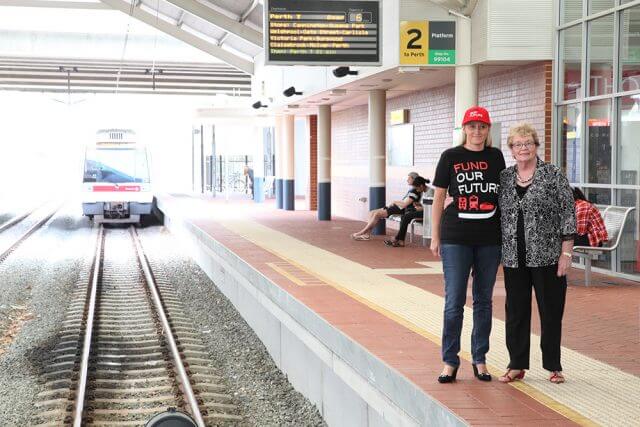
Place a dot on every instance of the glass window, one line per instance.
(600, 56)
(629, 248)
(570, 10)
(571, 141)
(600, 196)
(629, 145)
(571, 65)
(116, 165)
(596, 6)
(599, 141)
(628, 174)
(630, 49)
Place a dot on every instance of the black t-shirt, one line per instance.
(415, 196)
(472, 178)
(522, 247)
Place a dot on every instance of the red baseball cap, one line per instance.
(476, 114)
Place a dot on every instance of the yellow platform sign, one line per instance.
(414, 42)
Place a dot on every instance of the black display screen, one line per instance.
(322, 32)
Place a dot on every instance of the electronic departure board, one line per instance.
(322, 32)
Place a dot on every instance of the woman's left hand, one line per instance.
(564, 264)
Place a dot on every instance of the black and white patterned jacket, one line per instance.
(549, 215)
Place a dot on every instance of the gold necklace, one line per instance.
(524, 181)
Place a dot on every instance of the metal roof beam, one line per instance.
(55, 4)
(244, 16)
(220, 20)
(180, 34)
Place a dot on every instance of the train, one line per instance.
(116, 186)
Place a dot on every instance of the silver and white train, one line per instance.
(116, 186)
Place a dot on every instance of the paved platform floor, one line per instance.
(390, 300)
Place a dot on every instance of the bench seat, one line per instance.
(615, 218)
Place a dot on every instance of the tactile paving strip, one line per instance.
(597, 391)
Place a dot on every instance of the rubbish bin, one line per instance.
(427, 202)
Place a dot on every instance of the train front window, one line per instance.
(116, 165)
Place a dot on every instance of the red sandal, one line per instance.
(506, 378)
(556, 377)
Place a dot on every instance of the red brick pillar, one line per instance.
(548, 110)
(312, 189)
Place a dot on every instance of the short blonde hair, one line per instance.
(487, 143)
(522, 129)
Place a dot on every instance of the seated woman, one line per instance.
(589, 223)
(396, 208)
(413, 211)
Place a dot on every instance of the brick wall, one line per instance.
(349, 162)
(548, 109)
(312, 191)
(522, 94)
(516, 96)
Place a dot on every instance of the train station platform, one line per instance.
(356, 325)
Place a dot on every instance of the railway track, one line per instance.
(126, 351)
(6, 250)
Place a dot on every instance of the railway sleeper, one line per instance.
(127, 403)
(123, 414)
(104, 392)
(110, 330)
(129, 357)
(140, 350)
(114, 374)
(129, 343)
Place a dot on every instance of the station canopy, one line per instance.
(202, 47)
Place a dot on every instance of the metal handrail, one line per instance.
(86, 346)
(188, 391)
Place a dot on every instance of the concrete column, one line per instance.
(288, 176)
(312, 183)
(279, 162)
(466, 89)
(377, 153)
(258, 164)
(324, 163)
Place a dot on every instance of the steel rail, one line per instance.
(78, 408)
(16, 219)
(184, 379)
(26, 234)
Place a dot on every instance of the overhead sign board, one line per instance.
(322, 32)
(427, 43)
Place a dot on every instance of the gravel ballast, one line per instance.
(35, 283)
(261, 389)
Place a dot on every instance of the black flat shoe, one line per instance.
(445, 379)
(482, 376)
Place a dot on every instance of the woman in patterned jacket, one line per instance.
(538, 228)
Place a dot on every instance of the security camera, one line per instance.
(258, 104)
(344, 71)
(290, 92)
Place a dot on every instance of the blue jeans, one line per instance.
(457, 261)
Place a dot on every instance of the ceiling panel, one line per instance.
(73, 76)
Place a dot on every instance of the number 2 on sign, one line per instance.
(417, 35)
(414, 42)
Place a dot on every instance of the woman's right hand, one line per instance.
(435, 247)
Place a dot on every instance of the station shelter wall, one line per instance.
(517, 95)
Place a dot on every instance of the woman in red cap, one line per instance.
(467, 236)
